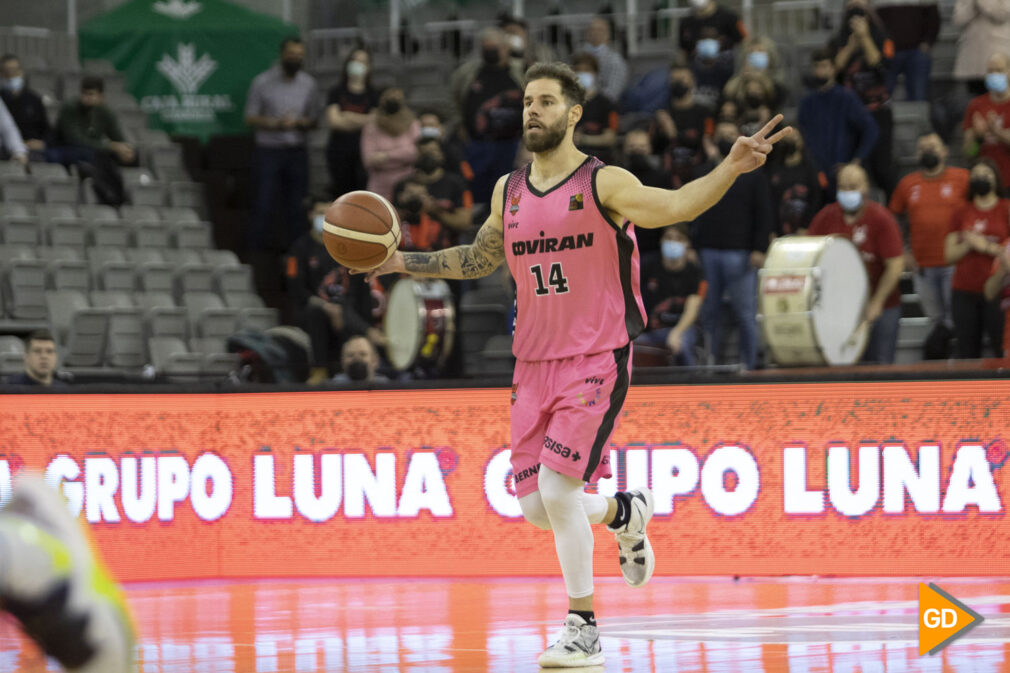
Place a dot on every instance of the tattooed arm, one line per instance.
(478, 259)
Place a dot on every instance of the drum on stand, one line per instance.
(420, 324)
(812, 293)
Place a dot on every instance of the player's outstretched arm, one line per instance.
(476, 260)
(626, 198)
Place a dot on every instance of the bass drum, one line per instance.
(420, 324)
(812, 295)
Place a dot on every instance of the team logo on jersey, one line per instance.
(514, 208)
(575, 203)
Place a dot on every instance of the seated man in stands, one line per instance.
(672, 289)
(86, 127)
(875, 232)
(41, 358)
(360, 362)
(12, 146)
(435, 205)
(329, 304)
(24, 105)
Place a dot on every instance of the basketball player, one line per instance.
(564, 225)
(51, 582)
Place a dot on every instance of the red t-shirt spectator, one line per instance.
(990, 146)
(973, 269)
(875, 233)
(930, 203)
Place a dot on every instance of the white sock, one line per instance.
(563, 500)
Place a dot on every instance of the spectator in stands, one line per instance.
(672, 288)
(359, 363)
(986, 122)
(797, 186)
(25, 106)
(613, 70)
(433, 127)
(984, 29)
(835, 124)
(997, 288)
(685, 127)
(489, 99)
(435, 205)
(329, 303)
(862, 55)
(596, 131)
(930, 197)
(914, 28)
(977, 231)
(755, 97)
(875, 232)
(349, 106)
(760, 55)
(389, 143)
(732, 238)
(647, 167)
(41, 359)
(12, 145)
(522, 52)
(708, 37)
(283, 105)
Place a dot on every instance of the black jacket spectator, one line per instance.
(29, 114)
(742, 220)
(797, 188)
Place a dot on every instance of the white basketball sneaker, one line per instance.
(577, 646)
(54, 585)
(636, 556)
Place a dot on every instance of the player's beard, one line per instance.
(549, 138)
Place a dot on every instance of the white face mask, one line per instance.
(699, 4)
(849, 200)
(516, 43)
(587, 80)
(317, 223)
(430, 132)
(356, 69)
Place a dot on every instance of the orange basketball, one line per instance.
(361, 230)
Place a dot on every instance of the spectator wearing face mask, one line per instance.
(25, 106)
(862, 55)
(873, 229)
(349, 106)
(283, 105)
(329, 303)
(433, 128)
(983, 29)
(731, 238)
(929, 197)
(760, 56)
(707, 38)
(596, 131)
(978, 231)
(389, 143)
(523, 52)
(612, 74)
(797, 186)
(754, 97)
(360, 363)
(435, 205)
(835, 124)
(647, 167)
(986, 122)
(684, 128)
(672, 290)
(489, 101)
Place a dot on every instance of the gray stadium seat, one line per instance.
(44, 172)
(97, 213)
(219, 257)
(127, 347)
(229, 279)
(151, 234)
(110, 234)
(65, 231)
(242, 300)
(183, 194)
(477, 324)
(61, 253)
(204, 345)
(11, 363)
(55, 211)
(193, 235)
(21, 189)
(180, 215)
(148, 300)
(20, 231)
(24, 289)
(108, 254)
(111, 299)
(259, 319)
(137, 175)
(11, 344)
(156, 277)
(497, 358)
(193, 278)
(208, 315)
(16, 210)
(135, 213)
(113, 276)
(166, 160)
(60, 191)
(144, 255)
(69, 275)
(182, 256)
(147, 195)
(79, 327)
(11, 169)
(16, 251)
(170, 357)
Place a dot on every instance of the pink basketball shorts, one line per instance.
(563, 414)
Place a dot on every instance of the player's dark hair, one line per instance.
(561, 73)
(38, 335)
(92, 83)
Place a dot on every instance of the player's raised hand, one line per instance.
(392, 265)
(751, 152)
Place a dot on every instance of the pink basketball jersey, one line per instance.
(576, 270)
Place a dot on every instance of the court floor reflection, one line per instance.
(692, 625)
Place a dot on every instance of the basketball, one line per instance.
(361, 230)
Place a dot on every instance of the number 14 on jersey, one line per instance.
(555, 278)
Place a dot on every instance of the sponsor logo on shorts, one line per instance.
(527, 473)
(561, 449)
